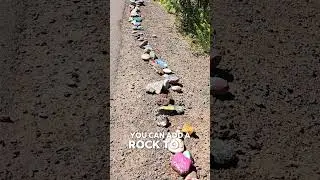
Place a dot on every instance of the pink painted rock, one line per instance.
(219, 85)
(181, 164)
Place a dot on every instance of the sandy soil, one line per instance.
(272, 50)
(54, 89)
(132, 109)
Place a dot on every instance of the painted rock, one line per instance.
(179, 109)
(176, 88)
(187, 128)
(162, 63)
(167, 71)
(181, 164)
(136, 23)
(187, 154)
(145, 57)
(153, 54)
(137, 19)
(174, 145)
(218, 85)
(173, 79)
(158, 69)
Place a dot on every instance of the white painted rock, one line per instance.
(176, 88)
(167, 71)
(174, 145)
(145, 57)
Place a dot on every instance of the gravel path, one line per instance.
(132, 108)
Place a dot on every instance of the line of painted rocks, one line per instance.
(181, 160)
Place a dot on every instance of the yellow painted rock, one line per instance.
(187, 128)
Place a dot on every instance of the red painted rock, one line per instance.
(181, 164)
(218, 85)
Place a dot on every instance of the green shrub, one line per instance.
(193, 16)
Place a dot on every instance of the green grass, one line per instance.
(193, 17)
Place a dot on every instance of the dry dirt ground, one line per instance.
(272, 50)
(132, 109)
(54, 89)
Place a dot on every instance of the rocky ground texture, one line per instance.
(53, 89)
(268, 125)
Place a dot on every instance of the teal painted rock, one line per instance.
(137, 19)
(187, 154)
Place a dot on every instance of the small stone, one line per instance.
(173, 79)
(174, 145)
(144, 43)
(181, 164)
(154, 36)
(155, 87)
(140, 38)
(166, 84)
(162, 120)
(134, 13)
(148, 46)
(158, 69)
(136, 23)
(167, 71)
(179, 109)
(192, 176)
(218, 85)
(153, 55)
(134, 32)
(137, 28)
(163, 100)
(223, 154)
(187, 128)
(176, 88)
(5, 119)
(147, 50)
(187, 154)
(43, 115)
(145, 57)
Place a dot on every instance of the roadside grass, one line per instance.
(193, 17)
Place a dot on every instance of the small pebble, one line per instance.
(176, 88)
(167, 71)
(145, 57)
(144, 43)
(162, 120)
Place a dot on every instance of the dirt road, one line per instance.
(54, 80)
(133, 110)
